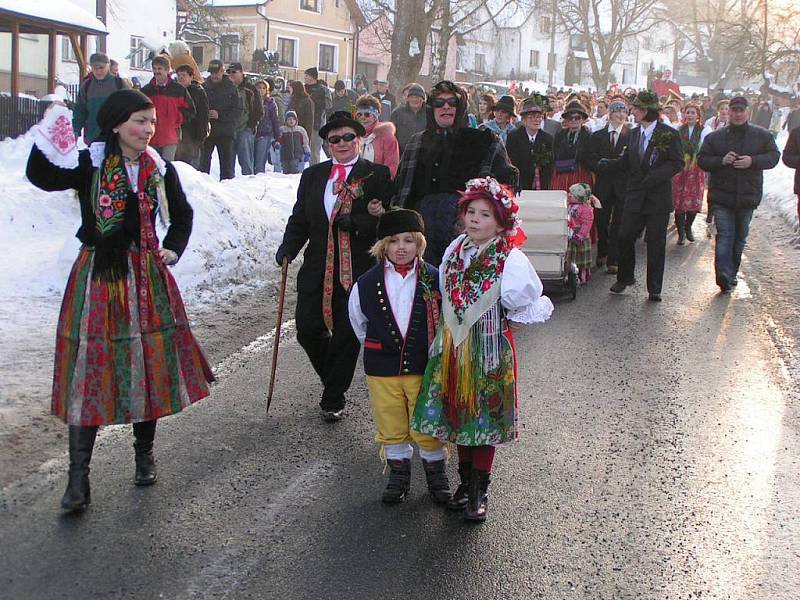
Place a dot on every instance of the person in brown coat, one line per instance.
(302, 105)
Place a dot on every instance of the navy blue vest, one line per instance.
(386, 352)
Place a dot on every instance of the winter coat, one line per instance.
(345, 103)
(269, 125)
(255, 109)
(195, 130)
(791, 156)
(294, 143)
(579, 151)
(407, 123)
(738, 188)
(91, 96)
(522, 153)
(224, 98)
(381, 147)
(304, 107)
(321, 98)
(173, 105)
(607, 184)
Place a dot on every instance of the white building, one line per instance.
(134, 28)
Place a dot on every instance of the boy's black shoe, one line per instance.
(399, 481)
(436, 476)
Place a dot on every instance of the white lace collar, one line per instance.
(97, 151)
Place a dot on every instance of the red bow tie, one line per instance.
(403, 269)
(339, 172)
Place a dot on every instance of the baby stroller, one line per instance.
(544, 219)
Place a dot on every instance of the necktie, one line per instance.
(613, 137)
(642, 143)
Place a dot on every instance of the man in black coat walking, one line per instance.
(224, 111)
(736, 156)
(653, 156)
(336, 214)
(530, 148)
(609, 186)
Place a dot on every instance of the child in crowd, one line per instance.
(489, 288)
(394, 309)
(579, 220)
(293, 145)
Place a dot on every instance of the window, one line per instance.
(230, 48)
(67, 53)
(368, 70)
(645, 69)
(576, 42)
(534, 58)
(197, 55)
(137, 54)
(480, 63)
(545, 25)
(287, 49)
(327, 58)
(312, 5)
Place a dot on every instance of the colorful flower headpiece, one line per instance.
(503, 197)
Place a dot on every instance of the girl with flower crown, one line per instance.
(489, 289)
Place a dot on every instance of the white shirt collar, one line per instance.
(618, 129)
(648, 131)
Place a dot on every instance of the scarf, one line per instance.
(114, 203)
(690, 143)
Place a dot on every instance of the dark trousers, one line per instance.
(189, 151)
(608, 220)
(440, 214)
(227, 156)
(632, 225)
(332, 354)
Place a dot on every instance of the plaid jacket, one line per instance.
(496, 163)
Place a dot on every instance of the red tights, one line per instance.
(481, 457)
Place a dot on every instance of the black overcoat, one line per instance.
(521, 152)
(608, 182)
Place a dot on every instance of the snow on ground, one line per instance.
(238, 225)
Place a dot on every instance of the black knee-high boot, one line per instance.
(143, 434)
(689, 221)
(477, 508)
(81, 443)
(680, 225)
(459, 499)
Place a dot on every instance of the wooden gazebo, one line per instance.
(51, 18)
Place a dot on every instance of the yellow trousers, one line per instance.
(392, 400)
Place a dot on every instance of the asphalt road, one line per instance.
(659, 458)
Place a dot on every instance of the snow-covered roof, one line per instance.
(61, 12)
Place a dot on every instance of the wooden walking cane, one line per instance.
(281, 297)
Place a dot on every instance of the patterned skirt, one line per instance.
(688, 188)
(124, 353)
(495, 418)
(580, 253)
(563, 181)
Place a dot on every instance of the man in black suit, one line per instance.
(653, 156)
(530, 148)
(609, 187)
(336, 212)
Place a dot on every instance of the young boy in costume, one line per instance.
(394, 309)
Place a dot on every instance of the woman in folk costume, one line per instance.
(570, 149)
(124, 350)
(394, 309)
(379, 144)
(689, 186)
(580, 219)
(489, 288)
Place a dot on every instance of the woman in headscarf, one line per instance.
(124, 350)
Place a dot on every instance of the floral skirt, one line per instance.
(495, 419)
(125, 353)
(688, 188)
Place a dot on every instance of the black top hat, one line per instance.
(507, 104)
(399, 220)
(342, 118)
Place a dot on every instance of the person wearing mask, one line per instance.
(609, 142)
(224, 111)
(344, 100)
(410, 118)
(174, 106)
(501, 124)
(195, 131)
(321, 97)
(92, 94)
(268, 129)
(736, 156)
(531, 149)
(379, 145)
(301, 104)
(252, 111)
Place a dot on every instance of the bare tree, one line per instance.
(605, 27)
(199, 20)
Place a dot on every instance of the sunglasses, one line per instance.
(347, 137)
(440, 102)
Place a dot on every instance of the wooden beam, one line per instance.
(78, 52)
(15, 58)
(51, 61)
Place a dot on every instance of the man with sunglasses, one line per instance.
(438, 161)
(336, 215)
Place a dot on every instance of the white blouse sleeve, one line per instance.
(357, 318)
(521, 291)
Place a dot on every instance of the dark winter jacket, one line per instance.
(791, 156)
(44, 175)
(91, 96)
(321, 97)
(173, 105)
(408, 123)
(731, 187)
(304, 108)
(269, 125)
(195, 131)
(294, 143)
(524, 155)
(224, 98)
(569, 147)
(344, 103)
(255, 109)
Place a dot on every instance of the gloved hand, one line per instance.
(345, 222)
(280, 255)
(307, 157)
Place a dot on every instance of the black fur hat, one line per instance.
(448, 87)
(399, 220)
